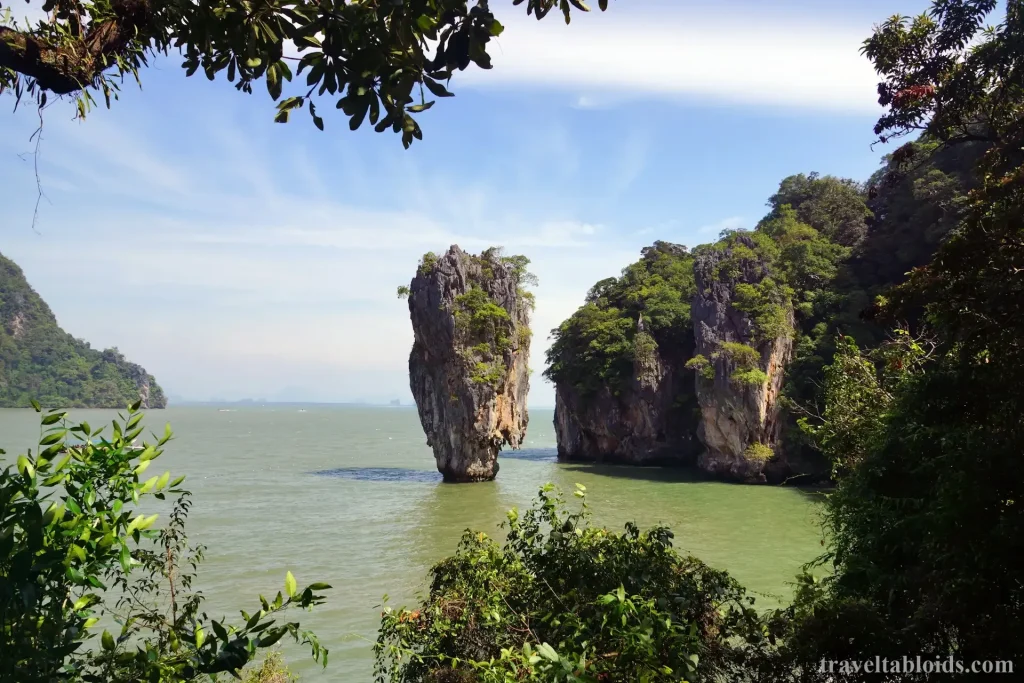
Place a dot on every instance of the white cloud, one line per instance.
(748, 57)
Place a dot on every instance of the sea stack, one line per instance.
(740, 364)
(468, 369)
(648, 418)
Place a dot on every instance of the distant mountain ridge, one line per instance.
(39, 360)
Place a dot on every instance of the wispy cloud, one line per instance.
(750, 57)
(239, 283)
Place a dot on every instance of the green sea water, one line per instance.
(350, 496)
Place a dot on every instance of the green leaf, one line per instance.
(54, 479)
(108, 641)
(272, 637)
(200, 636)
(35, 405)
(496, 28)
(162, 481)
(436, 88)
(253, 62)
(289, 584)
(425, 23)
(25, 466)
(219, 630)
(147, 522)
(548, 652)
(125, 559)
(320, 586)
(360, 113)
(134, 524)
(53, 418)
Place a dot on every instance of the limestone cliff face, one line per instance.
(468, 367)
(646, 424)
(740, 422)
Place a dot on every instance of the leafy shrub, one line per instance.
(702, 366)
(271, 670)
(752, 377)
(73, 534)
(759, 452)
(564, 600)
(739, 354)
(427, 263)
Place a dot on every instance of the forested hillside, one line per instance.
(39, 360)
(816, 266)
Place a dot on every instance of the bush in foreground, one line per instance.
(76, 547)
(562, 600)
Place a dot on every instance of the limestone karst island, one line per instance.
(706, 364)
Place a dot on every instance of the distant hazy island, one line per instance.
(39, 360)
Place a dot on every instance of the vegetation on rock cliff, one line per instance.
(828, 249)
(38, 360)
(483, 327)
(596, 347)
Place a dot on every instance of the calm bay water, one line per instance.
(350, 496)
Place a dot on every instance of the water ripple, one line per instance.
(402, 474)
(531, 454)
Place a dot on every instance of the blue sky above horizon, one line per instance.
(234, 257)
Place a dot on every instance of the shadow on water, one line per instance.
(643, 473)
(817, 494)
(385, 474)
(530, 454)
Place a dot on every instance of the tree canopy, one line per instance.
(380, 60)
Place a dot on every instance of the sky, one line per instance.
(234, 257)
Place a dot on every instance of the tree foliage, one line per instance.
(376, 60)
(833, 206)
(595, 347)
(926, 518)
(563, 600)
(77, 547)
(40, 360)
